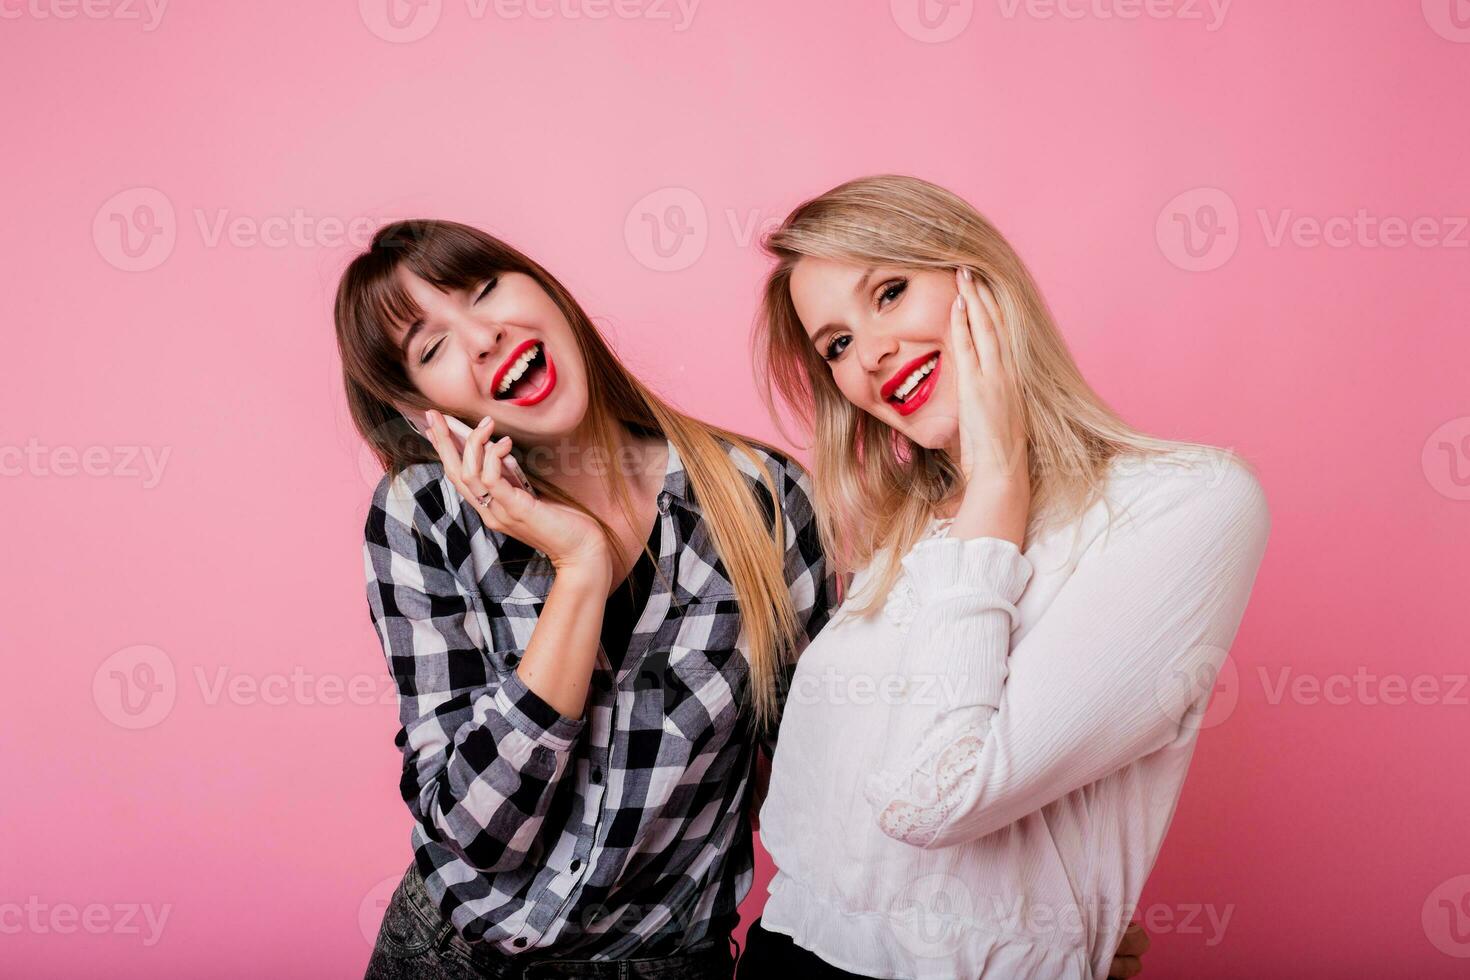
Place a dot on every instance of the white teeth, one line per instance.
(912, 382)
(517, 369)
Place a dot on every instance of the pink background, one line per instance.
(264, 818)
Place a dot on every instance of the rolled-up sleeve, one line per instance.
(482, 753)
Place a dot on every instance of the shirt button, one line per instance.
(575, 865)
(597, 775)
(511, 659)
(519, 942)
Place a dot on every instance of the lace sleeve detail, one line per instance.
(912, 804)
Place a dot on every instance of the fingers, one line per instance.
(494, 471)
(479, 472)
(474, 447)
(1124, 967)
(961, 344)
(476, 466)
(1127, 960)
(443, 444)
(1135, 941)
(982, 326)
(511, 499)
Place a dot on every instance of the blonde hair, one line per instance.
(452, 255)
(876, 490)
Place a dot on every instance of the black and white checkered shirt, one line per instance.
(622, 833)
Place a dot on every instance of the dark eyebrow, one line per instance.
(858, 290)
(413, 328)
(418, 324)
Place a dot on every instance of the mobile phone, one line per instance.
(459, 432)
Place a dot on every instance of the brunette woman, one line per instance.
(586, 665)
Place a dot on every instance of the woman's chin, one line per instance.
(935, 432)
(556, 426)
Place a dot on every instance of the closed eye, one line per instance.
(490, 283)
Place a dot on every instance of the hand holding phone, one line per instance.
(569, 537)
(459, 432)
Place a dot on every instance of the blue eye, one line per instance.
(829, 354)
(892, 291)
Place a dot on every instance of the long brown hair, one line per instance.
(455, 256)
(876, 490)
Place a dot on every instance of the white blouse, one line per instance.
(977, 782)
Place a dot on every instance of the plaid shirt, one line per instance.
(617, 834)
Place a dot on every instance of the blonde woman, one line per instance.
(980, 754)
(587, 662)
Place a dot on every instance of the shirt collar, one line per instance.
(676, 479)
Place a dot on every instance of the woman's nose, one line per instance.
(486, 340)
(873, 349)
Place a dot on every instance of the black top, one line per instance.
(626, 604)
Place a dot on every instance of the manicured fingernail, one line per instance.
(483, 422)
(433, 417)
(966, 273)
(959, 301)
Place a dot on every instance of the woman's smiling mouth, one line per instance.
(527, 376)
(910, 388)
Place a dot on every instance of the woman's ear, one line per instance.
(415, 418)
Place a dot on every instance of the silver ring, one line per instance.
(485, 498)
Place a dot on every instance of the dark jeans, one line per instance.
(416, 940)
(772, 954)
